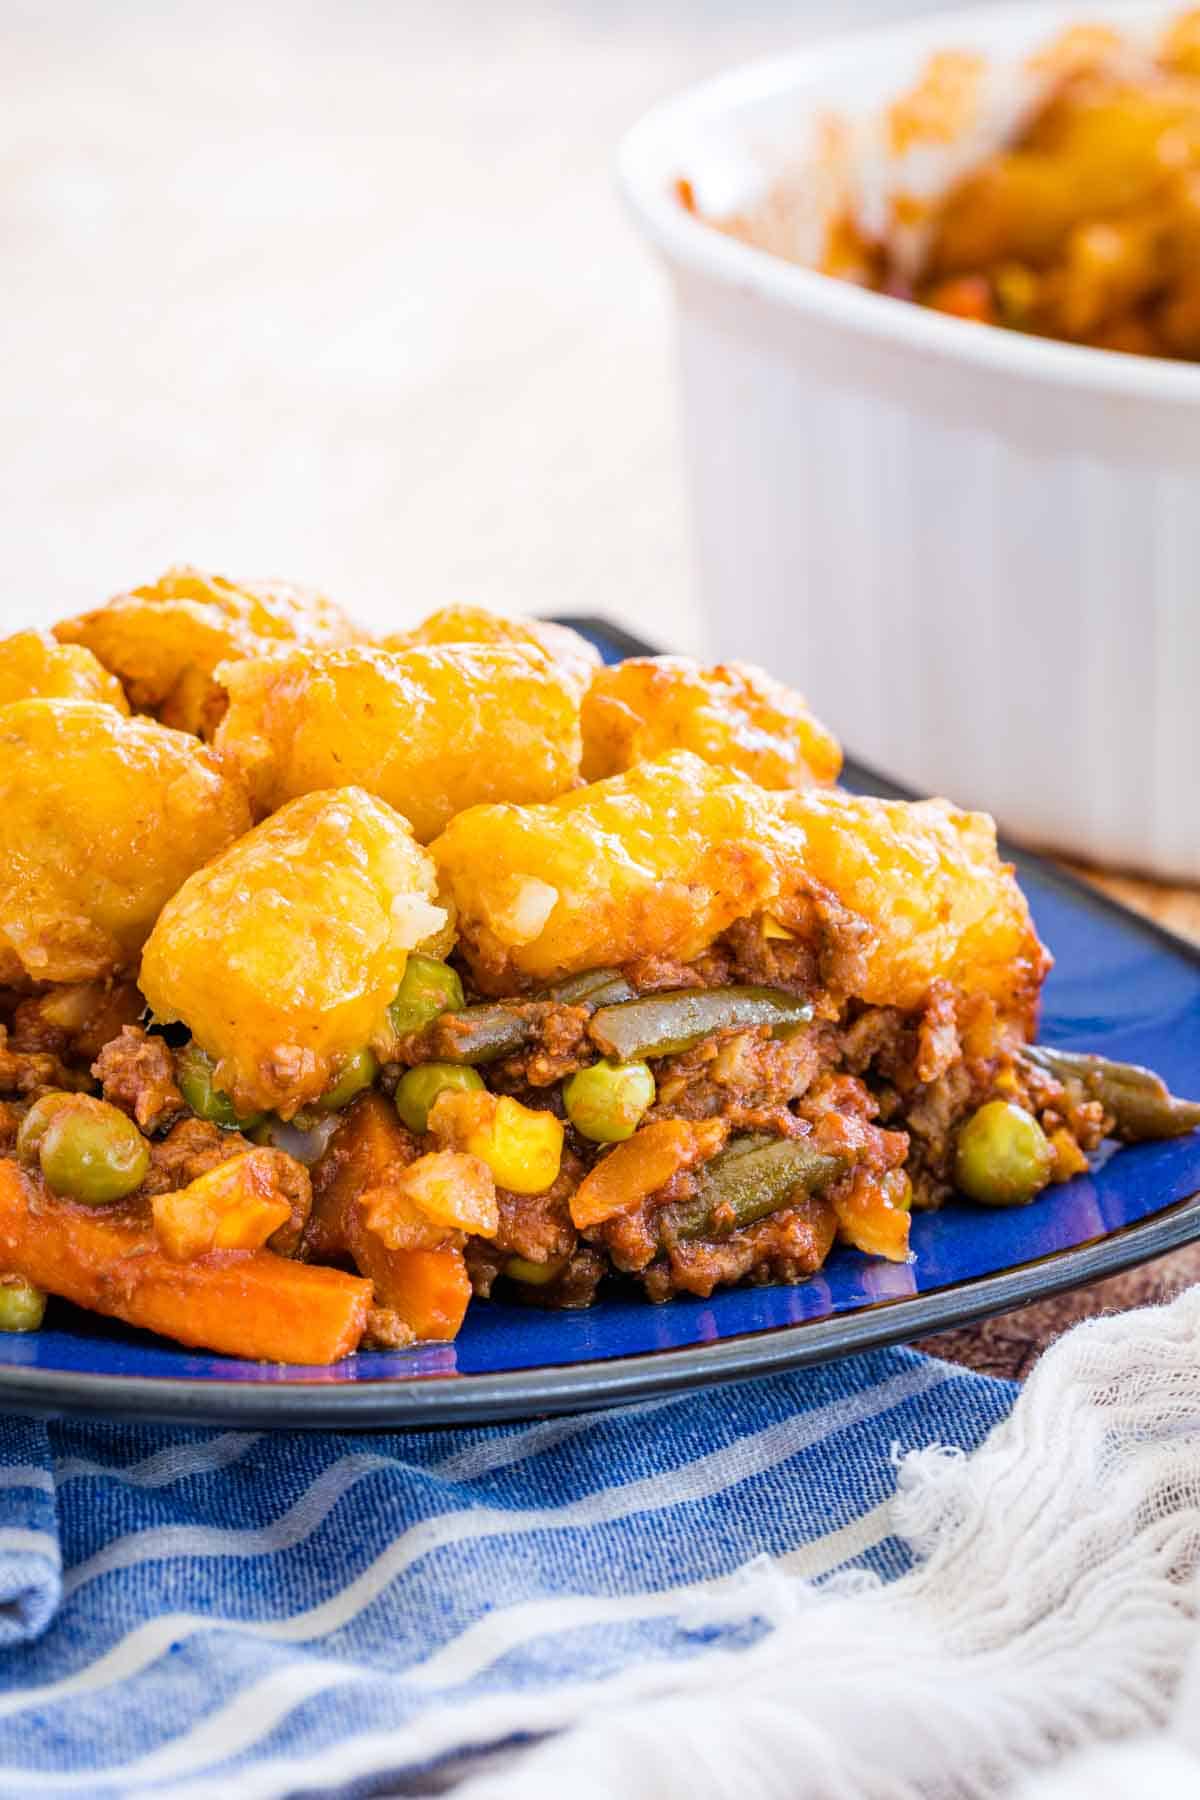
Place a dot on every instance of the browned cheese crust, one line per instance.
(165, 641)
(428, 730)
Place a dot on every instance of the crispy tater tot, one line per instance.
(928, 880)
(35, 666)
(429, 730)
(731, 714)
(282, 955)
(476, 625)
(661, 860)
(657, 861)
(102, 818)
(164, 641)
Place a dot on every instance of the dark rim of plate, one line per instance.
(442, 1400)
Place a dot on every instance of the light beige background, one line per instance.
(343, 292)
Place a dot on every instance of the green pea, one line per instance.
(22, 1306)
(358, 1072)
(608, 1100)
(194, 1078)
(418, 1088)
(429, 988)
(1002, 1157)
(91, 1152)
(32, 1128)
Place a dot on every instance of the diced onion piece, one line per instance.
(525, 915)
(451, 1189)
(235, 1206)
(417, 919)
(398, 1222)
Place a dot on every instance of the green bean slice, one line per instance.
(594, 987)
(665, 1024)
(492, 1029)
(753, 1176)
(480, 1034)
(1141, 1104)
(428, 987)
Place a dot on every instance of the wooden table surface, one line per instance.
(1010, 1343)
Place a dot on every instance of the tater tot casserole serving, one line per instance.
(348, 981)
(1070, 206)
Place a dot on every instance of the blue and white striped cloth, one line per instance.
(233, 1614)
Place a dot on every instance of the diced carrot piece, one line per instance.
(430, 1289)
(420, 1275)
(242, 1303)
(365, 1163)
(1068, 1157)
(642, 1164)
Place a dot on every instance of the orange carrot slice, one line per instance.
(242, 1303)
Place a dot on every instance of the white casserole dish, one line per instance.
(977, 552)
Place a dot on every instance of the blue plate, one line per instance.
(1120, 985)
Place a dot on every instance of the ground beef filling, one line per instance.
(822, 956)
(572, 1284)
(557, 1045)
(137, 1073)
(75, 1022)
(787, 1246)
(884, 1092)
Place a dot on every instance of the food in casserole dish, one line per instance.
(1082, 224)
(446, 967)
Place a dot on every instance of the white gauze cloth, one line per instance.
(1046, 1646)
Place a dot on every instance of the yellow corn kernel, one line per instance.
(522, 1147)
